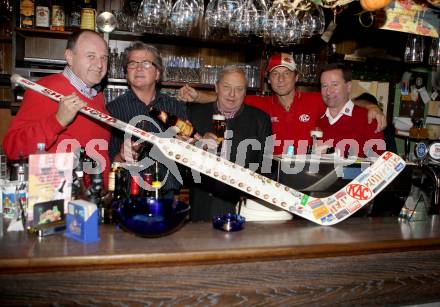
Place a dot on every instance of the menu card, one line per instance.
(50, 180)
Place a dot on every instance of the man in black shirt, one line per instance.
(248, 131)
(144, 68)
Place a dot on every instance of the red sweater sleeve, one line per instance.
(374, 138)
(35, 122)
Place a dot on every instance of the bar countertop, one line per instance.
(361, 261)
(200, 243)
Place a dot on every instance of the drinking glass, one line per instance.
(306, 23)
(244, 21)
(282, 26)
(262, 10)
(414, 49)
(184, 16)
(153, 13)
(318, 19)
(434, 52)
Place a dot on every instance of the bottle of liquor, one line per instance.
(120, 191)
(181, 126)
(107, 199)
(42, 14)
(88, 16)
(148, 181)
(79, 190)
(74, 20)
(134, 187)
(58, 17)
(95, 192)
(156, 184)
(27, 14)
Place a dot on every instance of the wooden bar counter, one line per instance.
(360, 261)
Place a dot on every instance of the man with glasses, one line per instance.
(143, 71)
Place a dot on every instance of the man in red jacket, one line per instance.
(344, 124)
(59, 126)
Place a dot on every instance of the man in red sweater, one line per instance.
(344, 124)
(59, 126)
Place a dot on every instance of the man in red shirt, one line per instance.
(60, 126)
(293, 113)
(344, 124)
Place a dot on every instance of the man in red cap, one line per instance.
(293, 113)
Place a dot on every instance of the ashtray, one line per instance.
(229, 222)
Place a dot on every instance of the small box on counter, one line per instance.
(82, 221)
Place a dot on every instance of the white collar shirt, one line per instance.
(346, 110)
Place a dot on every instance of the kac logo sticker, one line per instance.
(304, 118)
(358, 191)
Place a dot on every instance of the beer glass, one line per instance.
(219, 126)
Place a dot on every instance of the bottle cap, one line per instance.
(156, 184)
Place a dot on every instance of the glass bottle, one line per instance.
(88, 16)
(156, 184)
(42, 14)
(95, 192)
(134, 187)
(75, 15)
(120, 191)
(58, 17)
(148, 181)
(78, 188)
(181, 126)
(26, 14)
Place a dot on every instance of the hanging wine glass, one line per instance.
(225, 9)
(318, 18)
(306, 23)
(184, 16)
(261, 7)
(244, 20)
(212, 18)
(130, 11)
(153, 13)
(282, 27)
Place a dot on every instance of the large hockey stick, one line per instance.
(323, 211)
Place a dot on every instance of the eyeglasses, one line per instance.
(144, 64)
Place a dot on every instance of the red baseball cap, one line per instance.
(281, 59)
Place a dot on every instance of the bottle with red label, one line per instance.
(134, 186)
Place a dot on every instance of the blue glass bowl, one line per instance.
(229, 222)
(148, 217)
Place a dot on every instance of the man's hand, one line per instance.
(187, 94)
(374, 112)
(68, 108)
(129, 152)
(209, 142)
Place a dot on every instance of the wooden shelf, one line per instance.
(185, 40)
(43, 33)
(178, 84)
